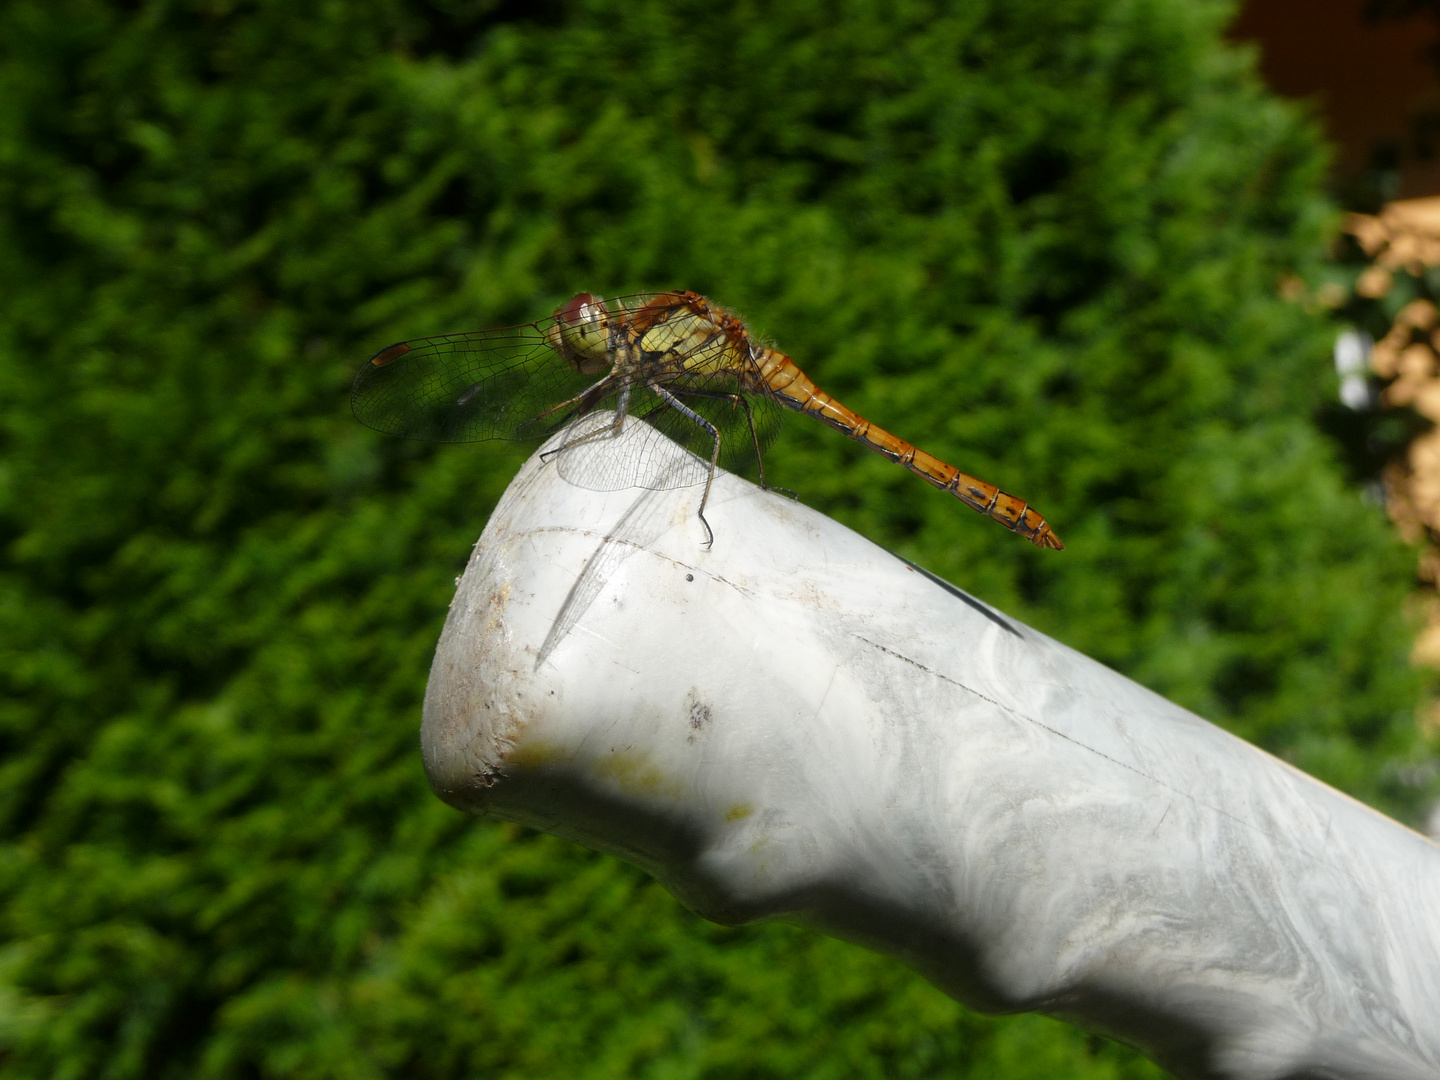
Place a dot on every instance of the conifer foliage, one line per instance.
(1040, 239)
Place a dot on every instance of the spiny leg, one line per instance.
(689, 413)
(587, 401)
(583, 401)
(744, 403)
(622, 407)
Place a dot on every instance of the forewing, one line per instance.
(489, 384)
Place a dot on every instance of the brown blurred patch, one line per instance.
(1372, 80)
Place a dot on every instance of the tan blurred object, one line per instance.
(1426, 652)
(1370, 77)
(1404, 235)
(1405, 238)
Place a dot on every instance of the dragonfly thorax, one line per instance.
(682, 332)
(581, 334)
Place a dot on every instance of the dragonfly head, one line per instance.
(581, 334)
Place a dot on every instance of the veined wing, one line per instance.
(487, 384)
(642, 454)
(484, 384)
(511, 383)
(748, 423)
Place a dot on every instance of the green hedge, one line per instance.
(1041, 239)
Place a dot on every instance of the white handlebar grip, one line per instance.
(795, 723)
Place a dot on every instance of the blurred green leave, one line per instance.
(1040, 239)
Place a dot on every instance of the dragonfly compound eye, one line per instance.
(581, 334)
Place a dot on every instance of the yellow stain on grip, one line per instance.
(636, 773)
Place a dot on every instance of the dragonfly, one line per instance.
(688, 368)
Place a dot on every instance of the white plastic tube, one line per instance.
(797, 724)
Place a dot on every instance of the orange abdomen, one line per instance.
(779, 377)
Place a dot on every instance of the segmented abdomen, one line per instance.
(781, 378)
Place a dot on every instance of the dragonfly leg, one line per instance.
(744, 403)
(740, 400)
(586, 399)
(622, 407)
(690, 414)
(584, 402)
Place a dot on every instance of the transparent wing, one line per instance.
(511, 383)
(748, 424)
(507, 383)
(489, 384)
(667, 448)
